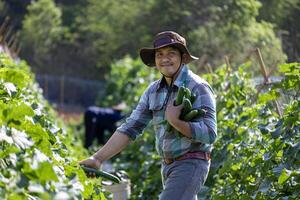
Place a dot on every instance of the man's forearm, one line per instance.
(183, 127)
(114, 145)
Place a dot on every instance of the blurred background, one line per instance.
(71, 45)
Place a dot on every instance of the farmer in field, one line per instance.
(185, 149)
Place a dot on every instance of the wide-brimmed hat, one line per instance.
(163, 39)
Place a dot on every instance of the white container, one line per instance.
(119, 191)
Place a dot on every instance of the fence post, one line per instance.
(2, 28)
(62, 91)
(46, 86)
(228, 66)
(266, 77)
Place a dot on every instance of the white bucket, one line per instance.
(119, 191)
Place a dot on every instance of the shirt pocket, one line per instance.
(157, 107)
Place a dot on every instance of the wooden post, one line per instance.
(46, 87)
(202, 60)
(3, 27)
(228, 66)
(62, 91)
(18, 49)
(11, 40)
(13, 47)
(6, 35)
(262, 65)
(266, 77)
(208, 68)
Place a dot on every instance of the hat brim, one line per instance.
(148, 54)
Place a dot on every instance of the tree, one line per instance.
(41, 31)
(234, 31)
(284, 14)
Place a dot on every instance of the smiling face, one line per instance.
(167, 60)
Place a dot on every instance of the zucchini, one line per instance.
(102, 174)
(201, 112)
(187, 106)
(190, 115)
(187, 93)
(169, 127)
(193, 98)
(179, 96)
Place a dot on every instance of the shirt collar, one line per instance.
(179, 81)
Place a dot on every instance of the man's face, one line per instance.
(167, 60)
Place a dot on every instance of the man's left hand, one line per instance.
(172, 113)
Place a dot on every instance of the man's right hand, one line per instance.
(91, 162)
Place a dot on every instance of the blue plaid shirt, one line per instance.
(152, 107)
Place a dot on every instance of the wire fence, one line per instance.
(68, 92)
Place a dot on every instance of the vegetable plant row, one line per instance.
(36, 154)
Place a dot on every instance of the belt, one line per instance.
(190, 155)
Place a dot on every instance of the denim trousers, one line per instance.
(183, 179)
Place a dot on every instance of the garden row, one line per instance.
(38, 157)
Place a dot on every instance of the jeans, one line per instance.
(183, 179)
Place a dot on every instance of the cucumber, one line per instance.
(190, 115)
(187, 93)
(193, 98)
(187, 106)
(179, 96)
(201, 112)
(169, 127)
(102, 174)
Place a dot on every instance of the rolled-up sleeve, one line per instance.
(138, 119)
(204, 129)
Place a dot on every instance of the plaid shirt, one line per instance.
(152, 107)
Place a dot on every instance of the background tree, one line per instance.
(41, 31)
(284, 15)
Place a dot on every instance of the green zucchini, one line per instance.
(179, 96)
(187, 106)
(102, 174)
(193, 98)
(187, 93)
(169, 127)
(190, 115)
(201, 112)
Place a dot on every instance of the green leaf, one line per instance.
(18, 111)
(9, 150)
(45, 172)
(285, 175)
(15, 76)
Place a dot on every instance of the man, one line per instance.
(185, 159)
(97, 120)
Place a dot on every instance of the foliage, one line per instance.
(207, 26)
(257, 154)
(37, 159)
(42, 30)
(284, 15)
(237, 36)
(278, 11)
(127, 75)
(95, 34)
